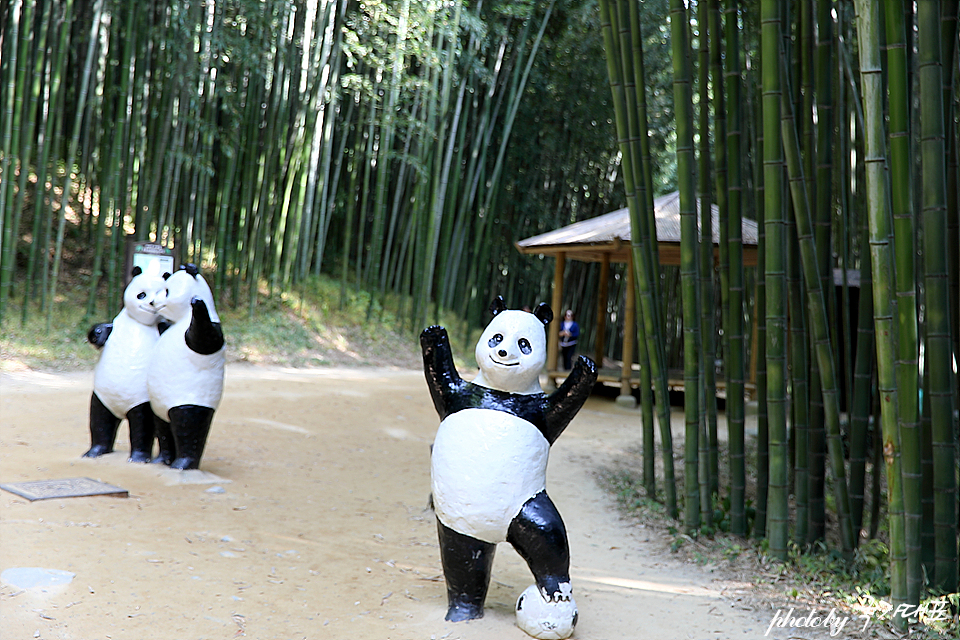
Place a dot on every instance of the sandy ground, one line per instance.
(308, 519)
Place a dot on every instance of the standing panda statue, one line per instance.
(185, 379)
(489, 462)
(120, 377)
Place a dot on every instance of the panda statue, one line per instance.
(185, 378)
(489, 462)
(120, 377)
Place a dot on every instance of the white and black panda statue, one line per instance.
(120, 377)
(185, 378)
(489, 462)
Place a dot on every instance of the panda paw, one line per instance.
(434, 331)
(199, 306)
(589, 365)
(139, 456)
(433, 335)
(184, 463)
(563, 593)
(98, 334)
(97, 450)
(162, 458)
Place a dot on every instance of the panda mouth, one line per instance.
(504, 364)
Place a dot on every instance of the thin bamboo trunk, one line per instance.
(734, 363)
(938, 352)
(806, 488)
(908, 363)
(821, 337)
(883, 269)
(640, 258)
(707, 389)
(30, 133)
(689, 248)
(8, 164)
(67, 187)
(777, 525)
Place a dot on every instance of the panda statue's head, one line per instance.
(174, 300)
(138, 295)
(512, 350)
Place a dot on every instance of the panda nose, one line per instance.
(502, 353)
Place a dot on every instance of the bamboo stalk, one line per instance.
(689, 266)
(882, 266)
(938, 352)
(775, 281)
(71, 155)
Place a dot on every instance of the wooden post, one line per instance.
(629, 334)
(556, 303)
(599, 346)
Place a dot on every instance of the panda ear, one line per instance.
(191, 269)
(136, 271)
(498, 305)
(544, 313)
(166, 275)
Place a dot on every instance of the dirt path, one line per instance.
(308, 520)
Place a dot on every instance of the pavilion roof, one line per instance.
(588, 240)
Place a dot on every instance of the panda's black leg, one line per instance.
(538, 535)
(190, 425)
(103, 428)
(142, 432)
(467, 565)
(168, 447)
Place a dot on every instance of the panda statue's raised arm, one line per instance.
(489, 462)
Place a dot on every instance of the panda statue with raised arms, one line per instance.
(120, 377)
(185, 379)
(489, 462)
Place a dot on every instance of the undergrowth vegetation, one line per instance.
(815, 579)
(319, 324)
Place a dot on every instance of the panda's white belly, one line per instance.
(120, 378)
(485, 465)
(179, 376)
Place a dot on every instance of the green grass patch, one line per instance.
(319, 323)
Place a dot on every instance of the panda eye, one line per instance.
(524, 345)
(495, 340)
(141, 295)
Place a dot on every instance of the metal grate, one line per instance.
(66, 488)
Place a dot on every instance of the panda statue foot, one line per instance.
(97, 450)
(142, 457)
(547, 618)
(462, 611)
(185, 463)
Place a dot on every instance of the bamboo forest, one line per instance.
(406, 147)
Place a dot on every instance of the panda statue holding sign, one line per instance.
(185, 378)
(489, 462)
(120, 377)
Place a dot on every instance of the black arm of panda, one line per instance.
(203, 336)
(98, 334)
(564, 403)
(438, 366)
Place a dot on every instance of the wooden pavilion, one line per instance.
(606, 239)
